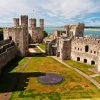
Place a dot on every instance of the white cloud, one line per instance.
(51, 10)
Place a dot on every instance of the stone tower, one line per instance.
(32, 23)
(16, 22)
(24, 21)
(23, 41)
(42, 24)
(64, 48)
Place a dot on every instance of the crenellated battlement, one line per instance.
(87, 40)
(74, 45)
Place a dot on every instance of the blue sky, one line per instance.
(55, 12)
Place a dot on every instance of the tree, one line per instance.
(45, 33)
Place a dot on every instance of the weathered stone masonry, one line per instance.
(17, 38)
(8, 51)
(70, 43)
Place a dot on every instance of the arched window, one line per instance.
(86, 48)
(78, 58)
(85, 60)
(94, 52)
(92, 62)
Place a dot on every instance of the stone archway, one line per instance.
(78, 58)
(85, 60)
(92, 62)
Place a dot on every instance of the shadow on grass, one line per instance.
(16, 81)
(36, 55)
(11, 65)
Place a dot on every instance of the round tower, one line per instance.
(24, 21)
(42, 24)
(16, 22)
(32, 23)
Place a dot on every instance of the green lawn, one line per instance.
(42, 46)
(74, 86)
(20, 64)
(97, 78)
(81, 66)
(8, 74)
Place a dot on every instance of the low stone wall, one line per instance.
(3, 42)
(7, 56)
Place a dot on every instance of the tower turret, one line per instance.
(16, 22)
(32, 23)
(42, 24)
(24, 21)
(23, 39)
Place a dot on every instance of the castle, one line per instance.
(17, 38)
(71, 43)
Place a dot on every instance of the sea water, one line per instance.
(87, 32)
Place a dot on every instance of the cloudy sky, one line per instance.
(55, 12)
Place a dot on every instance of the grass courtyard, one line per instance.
(81, 66)
(97, 78)
(42, 46)
(27, 86)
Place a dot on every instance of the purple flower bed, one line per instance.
(50, 79)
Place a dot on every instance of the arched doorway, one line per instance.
(85, 60)
(92, 62)
(78, 58)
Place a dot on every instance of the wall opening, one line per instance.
(58, 54)
(78, 58)
(10, 37)
(86, 48)
(85, 60)
(92, 62)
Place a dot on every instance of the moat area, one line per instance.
(19, 80)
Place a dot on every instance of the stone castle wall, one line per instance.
(8, 52)
(85, 50)
(19, 34)
(36, 33)
(71, 44)
(64, 48)
(75, 30)
(4, 42)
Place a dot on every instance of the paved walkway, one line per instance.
(7, 95)
(40, 49)
(80, 72)
(31, 50)
(94, 75)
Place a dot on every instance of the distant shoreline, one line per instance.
(90, 29)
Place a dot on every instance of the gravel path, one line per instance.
(40, 49)
(31, 50)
